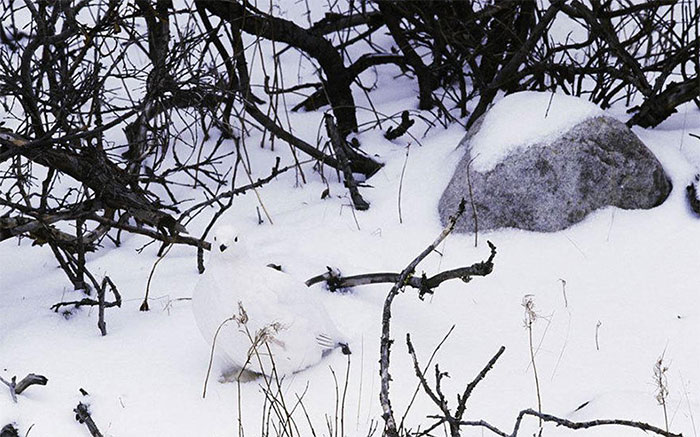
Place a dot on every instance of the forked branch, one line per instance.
(426, 285)
(391, 429)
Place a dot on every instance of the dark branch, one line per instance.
(385, 339)
(82, 415)
(17, 388)
(424, 284)
(340, 147)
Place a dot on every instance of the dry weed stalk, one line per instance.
(276, 405)
(661, 384)
(530, 319)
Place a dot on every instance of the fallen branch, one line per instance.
(17, 388)
(394, 132)
(9, 430)
(569, 424)
(82, 415)
(100, 302)
(424, 284)
(691, 192)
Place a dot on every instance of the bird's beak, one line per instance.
(223, 247)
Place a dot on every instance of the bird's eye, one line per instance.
(236, 239)
(214, 238)
(222, 247)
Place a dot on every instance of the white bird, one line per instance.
(259, 319)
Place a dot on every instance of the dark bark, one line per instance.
(319, 98)
(337, 79)
(17, 388)
(391, 429)
(9, 430)
(515, 62)
(659, 107)
(82, 415)
(340, 147)
(425, 285)
(422, 71)
(395, 132)
(110, 184)
(693, 195)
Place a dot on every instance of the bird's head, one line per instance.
(227, 244)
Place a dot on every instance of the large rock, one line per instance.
(550, 186)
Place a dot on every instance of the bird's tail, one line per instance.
(328, 343)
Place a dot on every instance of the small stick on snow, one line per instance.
(403, 172)
(9, 430)
(597, 328)
(424, 284)
(567, 424)
(17, 388)
(563, 290)
(406, 122)
(82, 415)
(144, 304)
(100, 302)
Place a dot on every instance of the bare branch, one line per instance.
(82, 415)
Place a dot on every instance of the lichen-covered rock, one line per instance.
(549, 187)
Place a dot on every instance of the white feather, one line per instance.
(286, 323)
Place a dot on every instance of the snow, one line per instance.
(635, 272)
(631, 296)
(525, 118)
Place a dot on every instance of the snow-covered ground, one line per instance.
(613, 294)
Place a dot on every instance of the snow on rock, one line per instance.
(523, 119)
(549, 187)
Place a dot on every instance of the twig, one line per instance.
(101, 324)
(563, 290)
(9, 431)
(144, 304)
(100, 303)
(438, 398)
(82, 415)
(17, 388)
(425, 369)
(406, 122)
(339, 145)
(211, 354)
(403, 171)
(462, 401)
(568, 424)
(342, 401)
(386, 341)
(692, 195)
(583, 425)
(424, 284)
